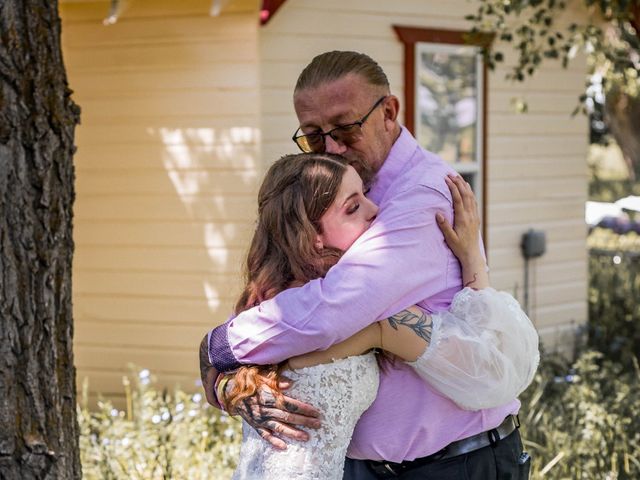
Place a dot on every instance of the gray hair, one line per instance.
(331, 66)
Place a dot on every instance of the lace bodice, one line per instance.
(342, 391)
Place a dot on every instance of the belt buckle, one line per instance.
(386, 469)
(390, 469)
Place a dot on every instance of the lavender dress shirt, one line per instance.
(402, 260)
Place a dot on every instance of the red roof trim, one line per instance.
(269, 9)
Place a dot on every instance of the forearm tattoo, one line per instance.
(205, 364)
(421, 324)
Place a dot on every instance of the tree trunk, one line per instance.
(38, 426)
(621, 116)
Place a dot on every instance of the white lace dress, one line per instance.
(342, 391)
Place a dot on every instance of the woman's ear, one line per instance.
(318, 243)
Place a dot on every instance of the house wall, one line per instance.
(182, 111)
(536, 167)
(167, 166)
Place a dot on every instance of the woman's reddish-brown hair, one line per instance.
(295, 193)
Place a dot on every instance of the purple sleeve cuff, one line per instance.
(220, 354)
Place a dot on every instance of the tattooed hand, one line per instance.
(276, 417)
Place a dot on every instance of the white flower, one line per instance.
(145, 376)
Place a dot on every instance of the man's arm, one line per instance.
(208, 373)
(401, 260)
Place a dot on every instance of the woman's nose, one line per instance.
(373, 211)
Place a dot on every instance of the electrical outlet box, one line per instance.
(534, 243)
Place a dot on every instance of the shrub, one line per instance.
(614, 301)
(579, 421)
(601, 190)
(584, 424)
(158, 436)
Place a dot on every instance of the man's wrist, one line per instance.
(218, 393)
(220, 390)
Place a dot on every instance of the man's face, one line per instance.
(342, 102)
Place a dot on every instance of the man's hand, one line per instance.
(276, 417)
(271, 414)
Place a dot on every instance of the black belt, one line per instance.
(459, 447)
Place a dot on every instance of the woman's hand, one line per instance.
(464, 237)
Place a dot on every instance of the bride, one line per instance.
(481, 353)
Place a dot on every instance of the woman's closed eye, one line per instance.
(352, 209)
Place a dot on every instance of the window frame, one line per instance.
(411, 37)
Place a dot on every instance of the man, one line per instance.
(344, 106)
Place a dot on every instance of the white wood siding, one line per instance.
(167, 167)
(537, 173)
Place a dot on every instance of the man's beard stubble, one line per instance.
(366, 172)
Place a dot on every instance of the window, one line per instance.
(445, 98)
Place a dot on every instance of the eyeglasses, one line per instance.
(345, 134)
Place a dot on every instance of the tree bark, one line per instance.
(622, 114)
(38, 426)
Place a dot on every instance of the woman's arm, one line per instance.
(357, 344)
(406, 334)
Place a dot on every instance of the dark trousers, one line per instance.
(500, 462)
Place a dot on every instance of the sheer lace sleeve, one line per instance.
(483, 352)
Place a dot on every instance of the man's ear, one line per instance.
(391, 110)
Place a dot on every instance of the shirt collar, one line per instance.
(399, 155)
